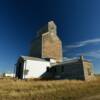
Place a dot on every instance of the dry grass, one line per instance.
(13, 89)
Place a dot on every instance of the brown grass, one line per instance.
(13, 89)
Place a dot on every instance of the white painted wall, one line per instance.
(52, 61)
(9, 75)
(35, 68)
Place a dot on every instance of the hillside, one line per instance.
(13, 89)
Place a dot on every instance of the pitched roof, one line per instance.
(66, 62)
(32, 58)
(69, 62)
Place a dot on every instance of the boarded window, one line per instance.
(89, 71)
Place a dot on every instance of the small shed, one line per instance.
(73, 69)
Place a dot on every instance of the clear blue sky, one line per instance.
(78, 24)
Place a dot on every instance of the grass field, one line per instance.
(13, 89)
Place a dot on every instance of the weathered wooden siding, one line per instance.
(88, 71)
(47, 44)
(51, 47)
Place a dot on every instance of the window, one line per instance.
(89, 71)
(62, 68)
(48, 69)
(55, 70)
(25, 71)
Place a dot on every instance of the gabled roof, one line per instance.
(32, 58)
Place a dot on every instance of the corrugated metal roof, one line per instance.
(67, 62)
(70, 61)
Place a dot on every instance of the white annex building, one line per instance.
(32, 67)
(45, 59)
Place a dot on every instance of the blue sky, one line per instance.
(78, 24)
